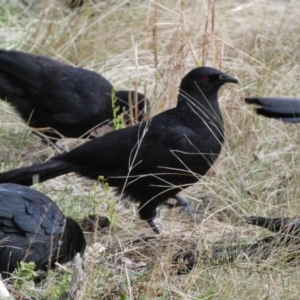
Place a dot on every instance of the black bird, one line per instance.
(284, 109)
(285, 226)
(47, 93)
(287, 237)
(33, 229)
(152, 161)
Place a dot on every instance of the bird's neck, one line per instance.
(197, 105)
(203, 116)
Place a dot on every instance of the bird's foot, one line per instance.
(181, 201)
(153, 226)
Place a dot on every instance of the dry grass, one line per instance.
(151, 45)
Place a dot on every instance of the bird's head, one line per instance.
(207, 80)
(76, 239)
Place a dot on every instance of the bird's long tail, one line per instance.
(285, 109)
(261, 250)
(37, 173)
(272, 224)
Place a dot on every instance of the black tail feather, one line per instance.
(285, 109)
(272, 224)
(37, 173)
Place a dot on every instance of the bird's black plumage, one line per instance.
(287, 237)
(33, 229)
(47, 93)
(152, 161)
(285, 226)
(284, 109)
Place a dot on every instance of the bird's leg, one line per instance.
(182, 202)
(153, 226)
(147, 212)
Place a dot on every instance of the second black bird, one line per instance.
(70, 100)
(33, 229)
(152, 161)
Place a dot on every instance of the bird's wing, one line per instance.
(141, 145)
(27, 212)
(77, 94)
(72, 93)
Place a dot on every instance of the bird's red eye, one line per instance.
(205, 78)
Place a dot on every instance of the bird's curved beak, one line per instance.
(227, 78)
